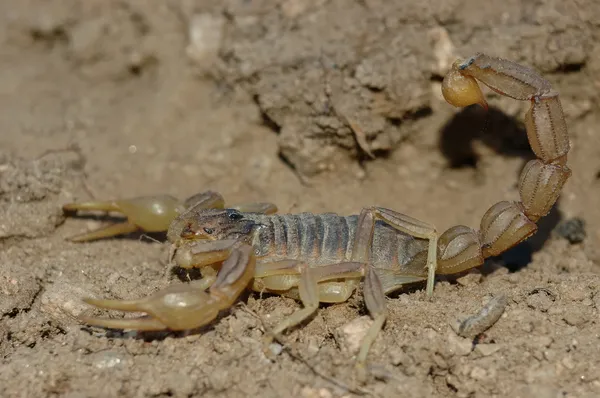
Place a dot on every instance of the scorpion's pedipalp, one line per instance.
(204, 200)
(199, 253)
(185, 306)
(106, 232)
(148, 213)
(141, 324)
(162, 308)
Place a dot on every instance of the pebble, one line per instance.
(458, 345)
(487, 349)
(107, 360)
(275, 348)
(205, 33)
(350, 335)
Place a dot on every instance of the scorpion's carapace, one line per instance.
(322, 258)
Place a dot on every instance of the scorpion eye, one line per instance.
(209, 230)
(234, 215)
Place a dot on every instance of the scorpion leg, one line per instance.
(313, 285)
(147, 213)
(361, 252)
(409, 225)
(186, 306)
(506, 224)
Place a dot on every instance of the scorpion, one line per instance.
(323, 258)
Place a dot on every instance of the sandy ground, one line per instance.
(256, 99)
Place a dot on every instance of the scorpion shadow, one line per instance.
(505, 135)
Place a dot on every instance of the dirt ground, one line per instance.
(280, 101)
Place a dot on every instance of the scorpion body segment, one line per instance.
(322, 258)
(319, 239)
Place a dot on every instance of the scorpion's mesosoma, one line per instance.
(322, 258)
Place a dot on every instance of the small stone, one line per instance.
(487, 349)
(575, 318)
(569, 292)
(545, 341)
(472, 278)
(309, 392)
(107, 360)
(350, 335)
(568, 363)
(550, 355)
(399, 357)
(314, 345)
(458, 345)
(572, 230)
(293, 8)
(443, 50)
(478, 373)
(440, 362)
(275, 348)
(205, 33)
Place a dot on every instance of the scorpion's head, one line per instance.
(210, 224)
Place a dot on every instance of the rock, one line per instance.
(205, 33)
(350, 335)
(458, 345)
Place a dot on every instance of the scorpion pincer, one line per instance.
(323, 258)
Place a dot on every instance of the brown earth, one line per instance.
(268, 100)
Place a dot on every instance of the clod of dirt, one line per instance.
(114, 45)
(329, 99)
(487, 349)
(23, 181)
(16, 292)
(29, 220)
(458, 345)
(540, 300)
(30, 192)
(63, 303)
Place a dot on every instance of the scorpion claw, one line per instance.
(107, 232)
(179, 307)
(148, 213)
(119, 305)
(142, 324)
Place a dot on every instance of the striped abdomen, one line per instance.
(319, 239)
